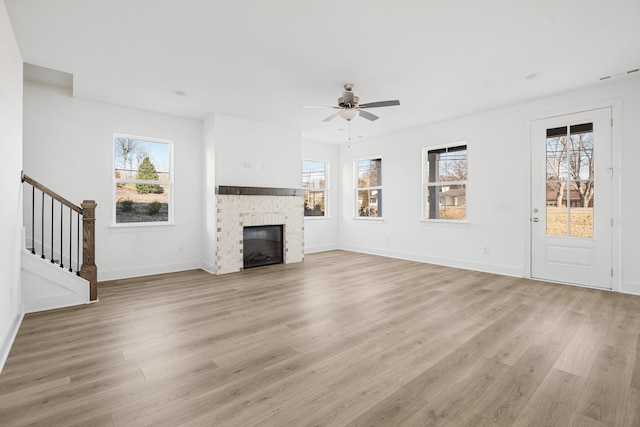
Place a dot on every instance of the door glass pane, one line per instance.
(581, 152)
(581, 209)
(557, 222)
(569, 161)
(557, 145)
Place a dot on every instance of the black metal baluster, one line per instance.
(61, 240)
(52, 261)
(33, 220)
(42, 233)
(78, 248)
(70, 238)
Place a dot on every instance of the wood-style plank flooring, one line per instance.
(340, 339)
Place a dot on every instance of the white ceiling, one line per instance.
(263, 60)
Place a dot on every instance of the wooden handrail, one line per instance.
(88, 270)
(51, 193)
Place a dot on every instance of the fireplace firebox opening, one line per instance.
(262, 245)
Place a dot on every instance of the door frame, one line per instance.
(616, 157)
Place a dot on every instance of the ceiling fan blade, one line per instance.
(367, 115)
(318, 106)
(331, 117)
(380, 104)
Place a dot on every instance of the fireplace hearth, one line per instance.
(262, 245)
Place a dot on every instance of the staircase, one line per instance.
(52, 276)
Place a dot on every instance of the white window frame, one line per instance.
(325, 190)
(426, 184)
(356, 189)
(115, 181)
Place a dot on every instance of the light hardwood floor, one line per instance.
(341, 339)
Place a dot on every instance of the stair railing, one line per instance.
(84, 213)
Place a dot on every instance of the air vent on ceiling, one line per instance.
(635, 70)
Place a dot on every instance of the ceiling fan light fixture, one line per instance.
(349, 113)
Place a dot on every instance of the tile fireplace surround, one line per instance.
(239, 207)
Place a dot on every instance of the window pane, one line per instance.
(313, 174)
(314, 203)
(557, 147)
(557, 224)
(581, 156)
(370, 203)
(150, 205)
(447, 164)
(581, 209)
(452, 166)
(447, 202)
(369, 173)
(140, 159)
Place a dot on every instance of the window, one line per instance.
(570, 181)
(368, 188)
(314, 181)
(143, 180)
(445, 182)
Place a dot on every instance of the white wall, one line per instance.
(68, 146)
(11, 212)
(209, 226)
(321, 233)
(498, 174)
(253, 154)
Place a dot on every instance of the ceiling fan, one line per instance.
(350, 107)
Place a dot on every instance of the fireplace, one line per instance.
(239, 208)
(262, 245)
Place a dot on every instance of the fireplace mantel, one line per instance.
(258, 191)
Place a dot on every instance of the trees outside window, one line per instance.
(143, 180)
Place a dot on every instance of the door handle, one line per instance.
(535, 220)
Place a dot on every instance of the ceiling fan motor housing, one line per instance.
(346, 104)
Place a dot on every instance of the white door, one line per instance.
(571, 223)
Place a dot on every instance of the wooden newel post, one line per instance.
(89, 271)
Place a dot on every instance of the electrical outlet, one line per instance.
(486, 250)
(180, 249)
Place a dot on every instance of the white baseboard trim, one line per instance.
(127, 273)
(321, 248)
(9, 338)
(448, 262)
(208, 267)
(632, 288)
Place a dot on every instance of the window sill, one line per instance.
(316, 218)
(128, 227)
(451, 222)
(367, 219)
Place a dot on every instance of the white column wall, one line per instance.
(11, 212)
(321, 233)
